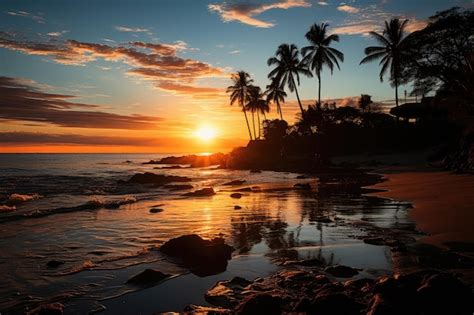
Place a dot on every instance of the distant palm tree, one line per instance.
(256, 104)
(364, 102)
(288, 69)
(276, 94)
(392, 41)
(239, 92)
(319, 53)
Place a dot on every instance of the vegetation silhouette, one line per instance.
(437, 60)
(319, 53)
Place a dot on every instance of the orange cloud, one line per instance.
(246, 12)
(22, 102)
(348, 9)
(151, 61)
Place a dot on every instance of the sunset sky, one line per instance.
(150, 76)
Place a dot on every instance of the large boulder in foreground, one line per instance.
(202, 257)
(194, 160)
(155, 179)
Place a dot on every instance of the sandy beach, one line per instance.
(443, 203)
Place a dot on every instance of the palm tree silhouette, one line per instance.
(240, 92)
(392, 41)
(319, 53)
(288, 68)
(276, 94)
(257, 104)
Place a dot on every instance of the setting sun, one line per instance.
(205, 133)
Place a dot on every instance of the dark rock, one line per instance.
(48, 309)
(54, 263)
(156, 210)
(227, 293)
(323, 220)
(374, 241)
(205, 192)
(302, 177)
(203, 257)
(255, 171)
(245, 189)
(260, 304)
(237, 207)
(236, 195)
(194, 160)
(147, 278)
(196, 309)
(314, 262)
(341, 271)
(378, 305)
(302, 186)
(444, 294)
(334, 304)
(178, 187)
(235, 183)
(387, 286)
(171, 167)
(155, 179)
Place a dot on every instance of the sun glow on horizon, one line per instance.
(206, 133)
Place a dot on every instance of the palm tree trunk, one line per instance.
(298, 97)
(247, 121)
(281, 113)
(259, 128)
(253, 123)
(319, 91)
(396, 92)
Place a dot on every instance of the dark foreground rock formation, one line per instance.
(202, 257)
(204, 192)
(148, 278)
(303, 291)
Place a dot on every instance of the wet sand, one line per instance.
(443, 203)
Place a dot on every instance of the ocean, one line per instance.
(71, 208)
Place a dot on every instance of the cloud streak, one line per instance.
(348, 9)
(36, 17)
(127, 29)
(246, 12)
(158, 62)
(21, 102)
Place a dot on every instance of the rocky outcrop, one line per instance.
(194, 160)
(304, 291)
(202, 257)
(205, 192)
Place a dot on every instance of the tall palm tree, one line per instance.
(288, 69)
(392, 42)
(319, 52)
(276, 94)
(256, 104)
(239, 92)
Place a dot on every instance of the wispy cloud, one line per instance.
(131, 29)
(348, 9)
(156, 62)
(246, 12)
(323, 3)
(36, 17)
(57, 34)
(372, 18)
(21, 102)
(234, 52)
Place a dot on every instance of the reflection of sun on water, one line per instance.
(205, 133)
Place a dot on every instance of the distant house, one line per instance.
(429, 107)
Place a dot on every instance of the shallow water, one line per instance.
(102, 248)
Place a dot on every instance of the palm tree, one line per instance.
(288, 69)
(276, 94)
(239, 92)
(392, 42)
(364, 102)
(256, 104)
(319, 53)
